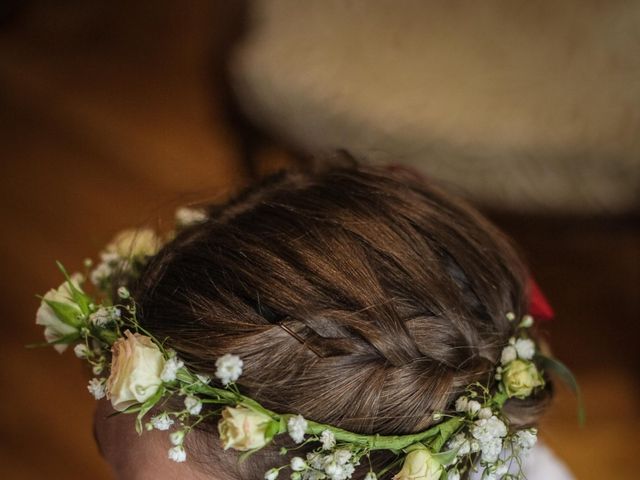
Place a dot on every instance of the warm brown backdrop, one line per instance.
(111, 114)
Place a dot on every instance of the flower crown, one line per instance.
(138, 374)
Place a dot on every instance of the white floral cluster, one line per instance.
(336, 465)
(486, 433)
(124, 255)
(105, 316)
(328, 462)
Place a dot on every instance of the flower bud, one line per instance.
(419, 464)
(520, 377)
(242, 429)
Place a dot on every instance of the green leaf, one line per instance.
(78, 296)
(146, 406)
(67, 313)
(273, 428)
(106, 335)
(65, 340)
(569, 379)
(445, 458)
(415, 446)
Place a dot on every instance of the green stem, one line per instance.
(387, 442)
(440, 433)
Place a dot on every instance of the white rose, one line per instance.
(419, 464)
(55, 328)
(135, 243)
(135, 370)
(242, 429)
(520, 378)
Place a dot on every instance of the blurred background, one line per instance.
(112, 113)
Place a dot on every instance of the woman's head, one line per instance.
(361, 297)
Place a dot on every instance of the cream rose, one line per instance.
(242, 429)
(520, 377)
(135, 371)
(55, 328)
(419, 464)
(135, 243)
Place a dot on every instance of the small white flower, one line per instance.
(123, 293)
(312, 475)
(177, 454)
(474, 445)
(526, 348)
(271, 474)
(509, 354)
(101, 273)
(315, 459)
(437, 416)
(453, 475)
(298, 464)
(489, 433)
(349, 468)
(328, 440)
(177, 438)
(371, 476)
(526, 439)
(162, 421)
(462, 403)
(96, 388)
(510, 316)
(342, 456)
(334, 470)
(81, 350)
(104, 315)
(527, 321)
(491, 450)
(460, 443)
(488, 429)
(193, 405)
(473, 407)
(185, 217)
(98, 368)
(228, 368)
(170, 370)
(297, 427)
(485, 413)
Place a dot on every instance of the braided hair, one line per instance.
(357, 296)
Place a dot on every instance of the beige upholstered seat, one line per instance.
(523, 105)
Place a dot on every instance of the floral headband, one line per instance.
(138, 374)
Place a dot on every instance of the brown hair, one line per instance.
(359, 296)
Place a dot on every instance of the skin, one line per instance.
(134, 457)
